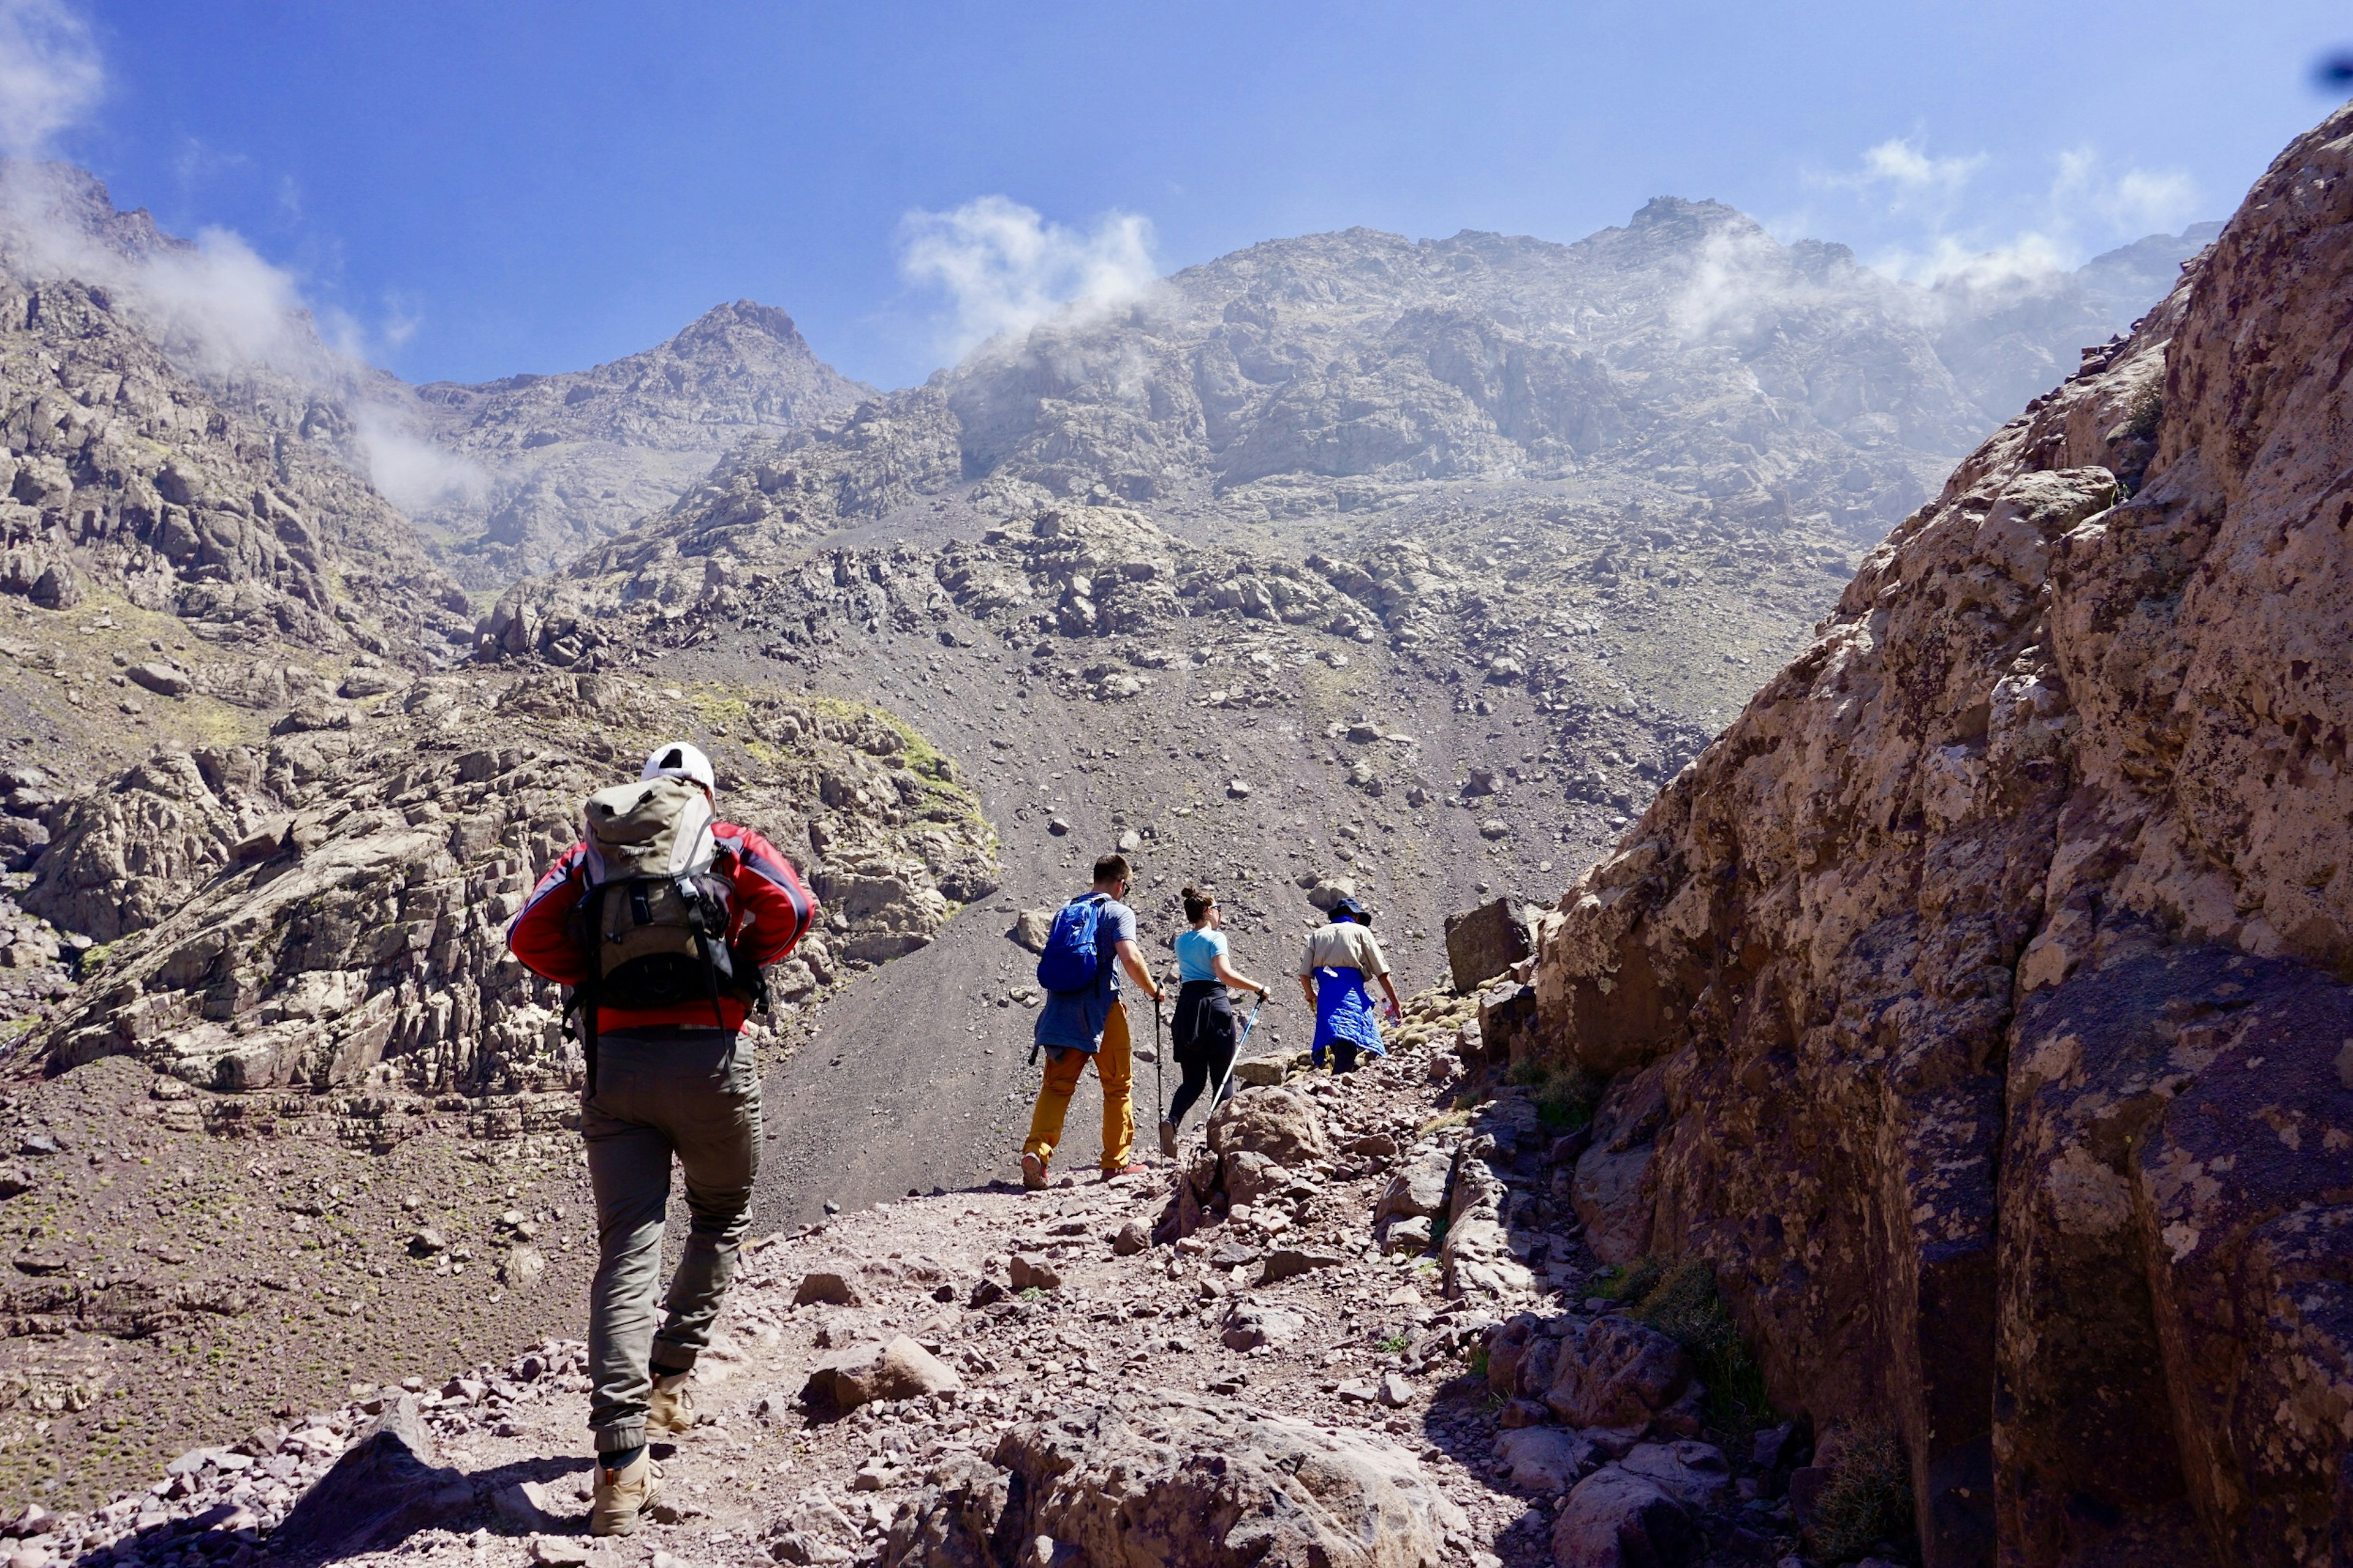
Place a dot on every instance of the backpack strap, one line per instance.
(580, 1024)
(580, 1012)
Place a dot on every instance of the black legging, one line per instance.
(1204, 1036)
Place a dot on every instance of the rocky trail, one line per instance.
(1439, 739)
(1358, 1324)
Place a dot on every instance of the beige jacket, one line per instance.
(1343, 944)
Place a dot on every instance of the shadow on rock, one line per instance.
(388, 1486)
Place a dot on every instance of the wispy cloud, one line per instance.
(1904, 176)
(1945, 222)
(218, 307)
(2128, 204)
(1006, 268)
(50, 74)
(412, 473)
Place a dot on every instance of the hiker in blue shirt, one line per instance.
(1203, 1033)
(1087, 1022)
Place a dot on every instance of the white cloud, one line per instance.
(412, 473)
(1940, 224)
(217, 307)
(2129, 204)
(1910, 178)
(2025, 260)
(1005, 268)
(1737, 277)
(50, 75)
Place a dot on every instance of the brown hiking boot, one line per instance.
(670, 1407)
(623, 1496)
(1033, 1172)
(1167, 1140)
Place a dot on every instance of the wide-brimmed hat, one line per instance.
(1349, 909)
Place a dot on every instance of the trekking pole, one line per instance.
(1218, 1093)
(1159, 1071)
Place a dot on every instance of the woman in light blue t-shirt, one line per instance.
(1204, 1035)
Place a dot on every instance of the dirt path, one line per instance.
(1303, 1308)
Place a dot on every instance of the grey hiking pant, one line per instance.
(693, 1093)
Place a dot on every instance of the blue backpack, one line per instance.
(1070, 960)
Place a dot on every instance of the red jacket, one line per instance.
(774, 908)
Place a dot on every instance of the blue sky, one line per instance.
(496, 187)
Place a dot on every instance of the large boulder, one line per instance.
(1170, 1479)
(1479, 1263)
(1694, 1473)
(1249, 1177)
(1615, 1519)
(1416, 1187)
(895, 1369)
(1544, 1459)
(389, 1485)
(1283, 1126)
(1249, 1324)
(828, 1287)
(1626, 1376)
(1030, 929)
(1481, 943)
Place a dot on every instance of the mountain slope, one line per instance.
(564, 460)
(155, 517)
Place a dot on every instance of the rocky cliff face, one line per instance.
(1984, 976)
(566, 460)
(326, 912)
(127, 480)
(177, 552)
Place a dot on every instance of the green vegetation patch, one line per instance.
(1680, 1301)
(1566, 1098)
(1867, 1500)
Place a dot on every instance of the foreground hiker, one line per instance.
(1339, 957)
(660, 920)
(1205, 1032)
(1094, 937)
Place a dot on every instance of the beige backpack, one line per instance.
(656, 916)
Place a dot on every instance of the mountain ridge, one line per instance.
(571, 457)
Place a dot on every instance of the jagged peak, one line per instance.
(769, 320)
(47, 195)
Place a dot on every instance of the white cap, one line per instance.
(676, 759)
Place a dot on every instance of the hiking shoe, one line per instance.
(623, 1496)
(1110, 1171)
(670, 1407)
(1033, 1172)
(1167, 1140)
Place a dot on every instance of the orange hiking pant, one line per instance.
(1115, 1066)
